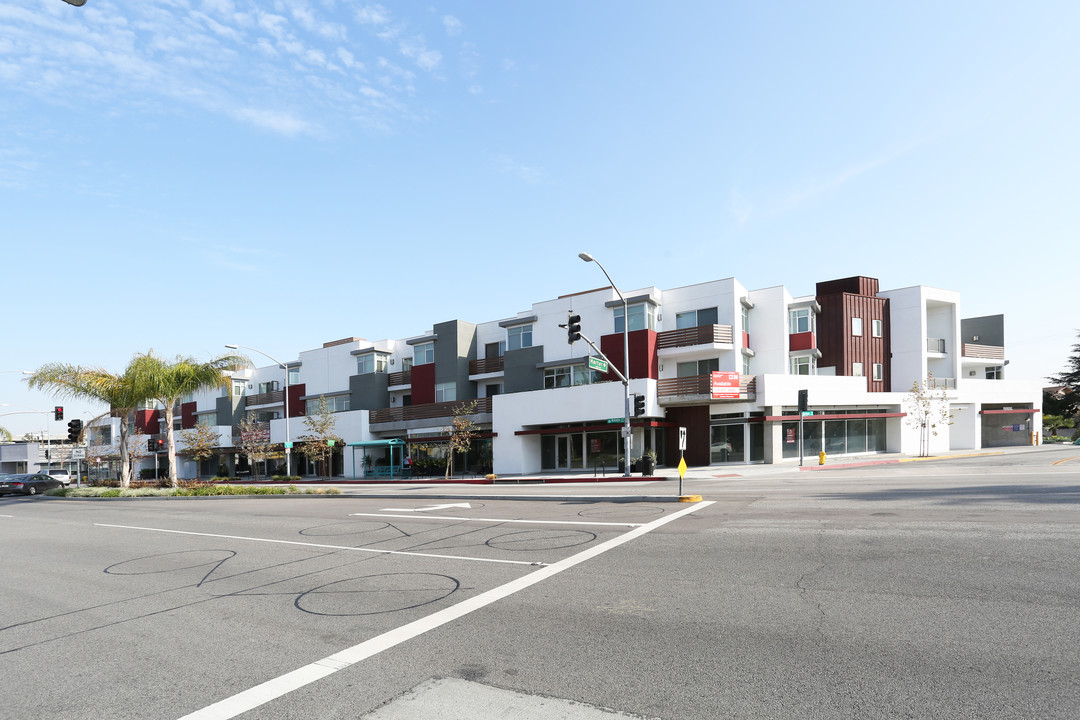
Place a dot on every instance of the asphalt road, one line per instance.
(932, 589)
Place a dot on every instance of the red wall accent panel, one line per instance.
(297, 407)
(187, 415)
(423, 384)
(147, 421)
(801, 341)
(644, 362)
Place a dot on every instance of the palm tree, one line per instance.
(4, 433)
(169, 381)
(120, 392)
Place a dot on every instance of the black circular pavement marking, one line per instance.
(376, 594)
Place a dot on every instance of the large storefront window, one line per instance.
(835, 437)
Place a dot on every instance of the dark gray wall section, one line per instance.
(454, 349)
(990, 329)
(369, 391)
(230, 411)
(520, 373)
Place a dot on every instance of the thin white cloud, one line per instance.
(508, 166)
(453, 25)
(373, 15)
(416, 50)
(280, 122)
(816, 187)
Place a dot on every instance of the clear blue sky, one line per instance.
(181, 174)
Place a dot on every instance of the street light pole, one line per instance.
(288, 438)
(626, 363)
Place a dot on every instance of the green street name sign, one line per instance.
(613, 421)
(599, 364)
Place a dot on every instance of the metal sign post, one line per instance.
(682, 458)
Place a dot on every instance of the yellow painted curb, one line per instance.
(689, 498)
(949, 457)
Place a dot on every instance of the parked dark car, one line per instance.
(28, 484)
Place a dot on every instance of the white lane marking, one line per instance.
(329, 547)
(7, 516)
(260, 694)
(467, 506)
(498, 520)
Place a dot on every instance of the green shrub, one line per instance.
(110, 492)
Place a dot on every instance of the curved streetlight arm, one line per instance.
(283, 366)
(626, 361)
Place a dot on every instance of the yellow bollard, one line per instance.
(821, 458)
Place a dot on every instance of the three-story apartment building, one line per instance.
(722, 361)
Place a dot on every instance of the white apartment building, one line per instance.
(724, 362)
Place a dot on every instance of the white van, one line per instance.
(62, 475)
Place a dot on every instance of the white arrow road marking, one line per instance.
(467, 506)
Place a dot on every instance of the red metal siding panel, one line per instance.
(423, 384)
(802, 341)
(187, 415)
(297, 407)
(147, 421)
(644, 362)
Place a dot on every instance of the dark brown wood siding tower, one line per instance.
(846, 304)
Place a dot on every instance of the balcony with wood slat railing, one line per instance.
(426, 411)
(983, 352)
(486, 365)
(697, 385)
(266, 398)
(260, 431)
(700, 335)
(399, 378)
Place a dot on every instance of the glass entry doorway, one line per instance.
(562, 452)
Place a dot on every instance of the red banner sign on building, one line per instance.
(725, 385)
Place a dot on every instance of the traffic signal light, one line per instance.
(803, 400)
(151, 446)
(639, 405)
(160, 444)
(58, 412)
(74, 430)
(573, 328)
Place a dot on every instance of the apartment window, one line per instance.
(567, 375)
(494, 389)
(803, 365)
(698, 367)
(495, 349)
(337, 403)
(745, 319)
(801, 320)
(188, 397)
(207, 419)
(879, 371)
(445, 392)
(642, 317)
(370, 363)
(424, 353)
(557, 377)
(689, 319)
(519, 336)
(875, 328)
(294, 376)
(856, 326)
(993, 373)
(406, 364)
(856, 369)
(269, 386)
(745, 364)
(238, 387)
